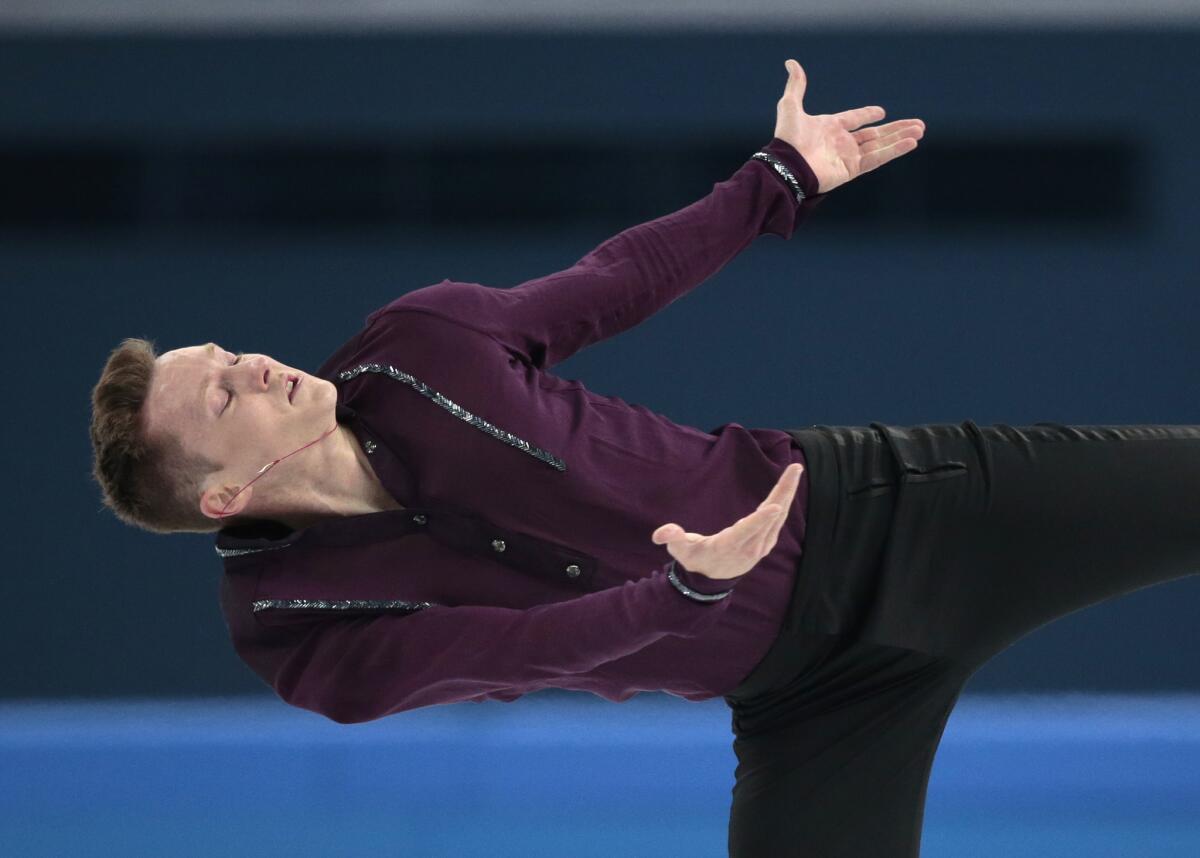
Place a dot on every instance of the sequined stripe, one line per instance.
(237, 552)
(689, 592)
(340, 605)
(457, 410)
(783, 171)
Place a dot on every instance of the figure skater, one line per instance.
(441, 518)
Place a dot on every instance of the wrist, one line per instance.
(788, 160)
(696, 586)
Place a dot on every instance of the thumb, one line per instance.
(797, 80)
(666, 533)
(672, 533)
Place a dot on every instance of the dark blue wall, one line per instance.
(1032, 260)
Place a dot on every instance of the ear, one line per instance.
(213, 500)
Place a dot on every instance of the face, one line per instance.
(234, 409)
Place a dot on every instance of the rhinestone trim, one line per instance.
(237, 552)
(688, 591)
(340, 605)
(457, 410)
(783, 171)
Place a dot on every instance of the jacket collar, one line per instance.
(258, 535)
(262, 535)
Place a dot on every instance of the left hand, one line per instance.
(738, 548)
(834, 150)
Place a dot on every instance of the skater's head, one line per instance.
(176, 435)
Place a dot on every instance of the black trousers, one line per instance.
(928, 550)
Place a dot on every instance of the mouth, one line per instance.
(293, 384)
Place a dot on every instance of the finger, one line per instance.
(771, 534)
(881, 156)
(785, 485)
(851, 119)
(876, 131)
(913, 131)
(742, 531)
(797, 81)
(744, 535)
(880, 145)
(771, 531)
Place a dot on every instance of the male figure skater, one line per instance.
(440, 518)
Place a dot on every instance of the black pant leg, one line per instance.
(966, 538)
(835, 761)
(1045, 520)
(928, 550)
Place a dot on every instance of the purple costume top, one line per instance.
(522, 558)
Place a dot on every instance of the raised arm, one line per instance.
(641, 270)
(634, 274)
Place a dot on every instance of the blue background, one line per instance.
(989, 309)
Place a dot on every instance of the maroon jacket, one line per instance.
(522, 559)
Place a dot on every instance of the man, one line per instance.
(433, 516)
(452, 454)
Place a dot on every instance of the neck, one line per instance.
(342, 482)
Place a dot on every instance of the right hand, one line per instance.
(736, 549)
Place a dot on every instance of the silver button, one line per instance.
(369, 445)
(498, 544)
(419, 519)
(572, 571)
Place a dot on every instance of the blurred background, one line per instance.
(266, 174)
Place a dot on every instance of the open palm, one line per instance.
(738, 548)
(835, 145)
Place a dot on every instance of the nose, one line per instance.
(262, 372)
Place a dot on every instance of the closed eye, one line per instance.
(230, 399)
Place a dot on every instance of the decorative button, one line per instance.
(419, 519)
(498, 544)
(370, 446)
(572, 571)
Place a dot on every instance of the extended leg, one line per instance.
(1040, 521)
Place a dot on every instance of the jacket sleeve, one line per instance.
(636, 273)
(356, 669)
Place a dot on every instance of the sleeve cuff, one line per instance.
(795, 162)
(801, 171)
(700, 583)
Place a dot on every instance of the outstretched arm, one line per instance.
(638, 272)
